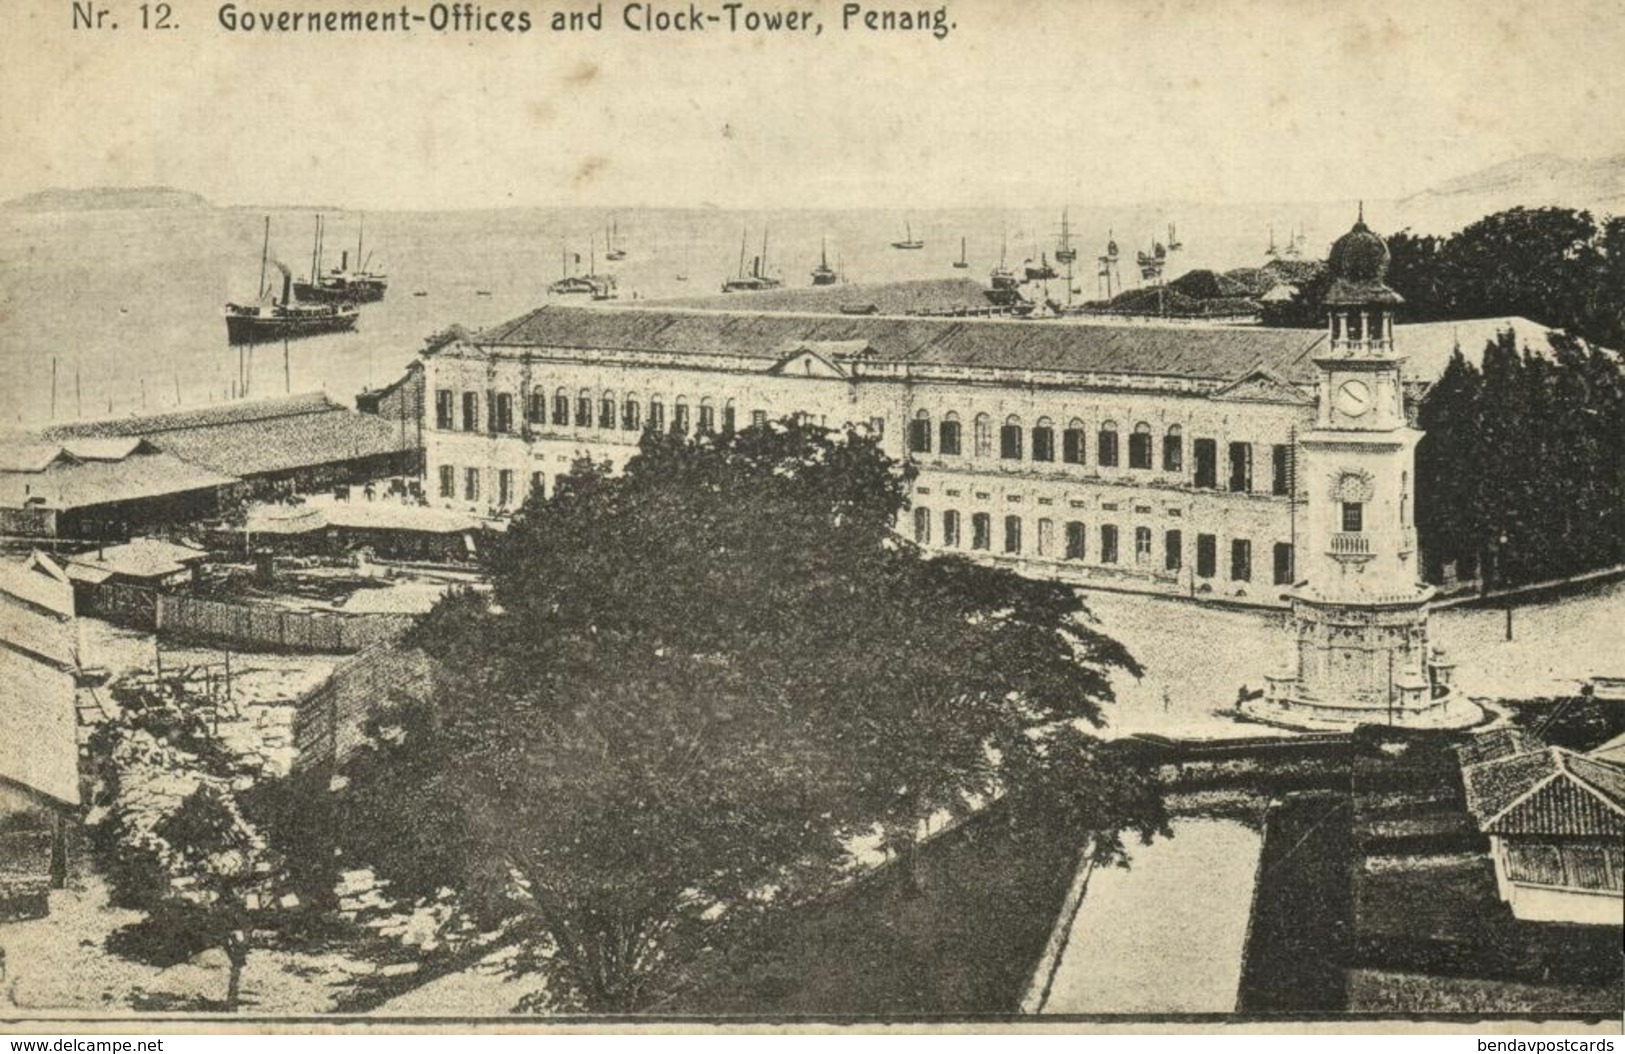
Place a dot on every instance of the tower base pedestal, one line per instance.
(1445, 713)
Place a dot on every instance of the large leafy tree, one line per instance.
(176, 830)
(700, 684)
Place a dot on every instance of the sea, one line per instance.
(112, 312)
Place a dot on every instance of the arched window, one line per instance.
(561, 407)
(538, 405)
(708, 416)
(657, 413)
(1010, 439)
(1012, 535)
(730, 417)
(981, 531)
(1046, 537)
(679, 415)
(949, 434)
(584, 409)
(1139, 446)
(950, 529)
(1072, 443)
(919, 433)
(538, 484)
(1044, 440)
(1106, 445)
(502, 413)
(606, 410)
(984, 436)
(1142, 545)
(1076, 540)
(922, 526)
(631, 415)
(1173, 450)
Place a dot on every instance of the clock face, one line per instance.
(1353, 398)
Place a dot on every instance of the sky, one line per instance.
(1024, 101)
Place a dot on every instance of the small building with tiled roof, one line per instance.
(1556, 824)
(100, 488)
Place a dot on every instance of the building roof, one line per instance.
(930, 296)
(1613, 750)
(254, 438)
(1427, 346)
(1552, 791)
(1496, 743)
(39, 746)
(384, 514)
(68, 483)
(139, 558)
(1219, 353)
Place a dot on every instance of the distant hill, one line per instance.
(89, 199)
(1533, 180)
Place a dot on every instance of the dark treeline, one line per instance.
(1558, 267)
(1521, 474)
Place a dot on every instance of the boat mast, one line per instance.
(361, 225)
(265, 252)
(742, 236)
(761, 265)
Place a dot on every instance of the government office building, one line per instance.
(1142, 457)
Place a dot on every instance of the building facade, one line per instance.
(1146, 458)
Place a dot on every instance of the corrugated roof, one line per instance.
(39, 745)
(258, 438)
(73, 485)
(1209, 352)
(139, 558)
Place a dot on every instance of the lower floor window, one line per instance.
(1207, 556)
(537, 484)
(1283, 563)
(922, 526)
(981, 527)
(1012, 534)
(448, 481)
(1046, 537)
(1142, 545)
(1108, 544)
(1076, 540)
(471, 484)
(950, 529)
(1241, 560)
(505, 487)
(1173, 550)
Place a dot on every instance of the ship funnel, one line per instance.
(344, 260)
(287, 281)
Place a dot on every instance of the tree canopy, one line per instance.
(700, 684)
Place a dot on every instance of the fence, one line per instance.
(246, 626)
(330, 722)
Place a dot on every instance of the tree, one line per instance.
(698, 683)
(175, 837)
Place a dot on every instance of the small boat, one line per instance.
(757, 278)
(284, 319)
(1064, 252)
(823, 274)
(961, 263)
(909, 241)
(482, 292)
(613, 251)
(579, 284)
(420, 292)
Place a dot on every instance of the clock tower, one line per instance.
(1359, 623)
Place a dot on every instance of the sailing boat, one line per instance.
(1272, 251)
(1002, 278)
(611, 250)
(1064, 253)
(961, 263)
(570, 284)
(823, 274)
(1174, 244)
(603, 285)
(756, 280)
(909, 241)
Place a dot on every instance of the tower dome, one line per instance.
(1357, 265)
(1359, 256)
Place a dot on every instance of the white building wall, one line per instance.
(1155, 499)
